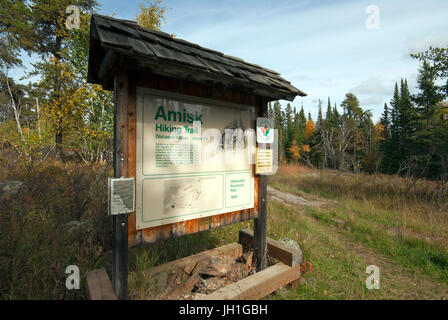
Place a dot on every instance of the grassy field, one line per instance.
(360, 221)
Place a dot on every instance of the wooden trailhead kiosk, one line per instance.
(174, 101)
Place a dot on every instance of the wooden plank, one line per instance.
(204, 223)
(216, 222)
(187, 87)
(134, 236)
(275, 249)
(164, 232)
(233, 250)
(98, 285)
(149, 235)
(260, 226)
(192, 226)
(179, 229)
(185, 287)
(120, 222)
(260, 221)
(257, 285)
(106, 65)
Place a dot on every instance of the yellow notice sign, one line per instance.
(264, 161)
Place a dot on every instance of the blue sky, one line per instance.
(322, 47)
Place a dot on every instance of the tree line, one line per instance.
(411, 137)
(58, 115)
(62, 115)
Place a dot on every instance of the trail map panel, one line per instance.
(185, 170)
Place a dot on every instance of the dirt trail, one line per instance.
(293, 199)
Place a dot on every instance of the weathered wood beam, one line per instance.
(258, 285)
(275, 249)
(260, 221)
(106, 65)
(233, 250)
(120, 221)
(98, 285)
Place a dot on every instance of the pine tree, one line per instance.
(329, 113)
(385, 144)
(395, 132)
(319, 115)
(302, 117)
(336, 117)
(279, 125)
(431, 155)
(407, 122)
(288, 132)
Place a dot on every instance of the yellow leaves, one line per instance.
(379, 132)
(309, 129)
(152, 16)
(295, 150)
(306, 148)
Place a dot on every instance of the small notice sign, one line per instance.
(264, 161)
(121, 195)
(265, 130)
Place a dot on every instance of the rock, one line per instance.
(293, 245)
(338, 221)
(218, 267)
(11, 187)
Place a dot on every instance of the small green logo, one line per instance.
(265, 130)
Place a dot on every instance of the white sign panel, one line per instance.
(194, 158)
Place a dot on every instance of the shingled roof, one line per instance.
(113, 40)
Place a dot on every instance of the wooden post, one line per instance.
(260, 226)
(260, 221)
(120, 222)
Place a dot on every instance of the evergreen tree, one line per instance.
(302, 117)
(319, 115)
(289, 132)
(431, 147)
(329, 113)
(395, 155)
(336, 117)
(385, 143)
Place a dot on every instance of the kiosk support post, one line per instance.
(260, 221)
(120, 221)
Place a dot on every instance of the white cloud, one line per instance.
(373, 86)
(419, 44)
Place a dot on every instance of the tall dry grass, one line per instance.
(58, 218)
(400, 216)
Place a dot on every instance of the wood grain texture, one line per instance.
(133, 237)
(98, 285)
(120, 222)
(232, 250)
(275, 249)
(258, 285)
